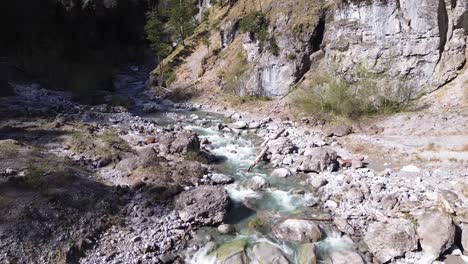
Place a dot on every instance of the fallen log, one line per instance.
(258, 158)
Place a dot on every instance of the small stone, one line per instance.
(238, 125)
(150, 140)
(219, 178)
(330, 204)
(226, 229)
(318, 182)
(254, 125)
(341, 131)
(136, 239)
(357, 164)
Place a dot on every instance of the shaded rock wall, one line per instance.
(72, 43)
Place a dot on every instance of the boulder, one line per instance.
(265, 252)
(204, 204)
(231, 253)
(257, 183)
(281, 146)
(183, 142)
(306, 254)
(436, 232)
(318, 160)
(218, 178)
(281, 173)
(316, 181)
(238, 125)
(340, 131)
(392, 239)
(254, 125)
(297, 230)
(464, 238)
(345, 256)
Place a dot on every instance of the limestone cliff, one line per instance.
(419, 43)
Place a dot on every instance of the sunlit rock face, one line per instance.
(419, 42)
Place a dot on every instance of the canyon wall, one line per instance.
(416, 44)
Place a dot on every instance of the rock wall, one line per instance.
(416, 45)
(421, 42)
(273, 75)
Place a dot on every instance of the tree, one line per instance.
(181, 17)
(206, 41)
(156, 35)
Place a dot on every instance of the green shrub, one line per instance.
(292, 56)
(256, 24)
(353, 100)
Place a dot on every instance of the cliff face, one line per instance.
(421, 42)
(417, 44)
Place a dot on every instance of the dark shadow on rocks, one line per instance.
(238, 212)
(45, 213)
(32, 135)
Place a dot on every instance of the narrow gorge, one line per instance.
(234, 131)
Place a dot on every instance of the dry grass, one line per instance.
(463, 149)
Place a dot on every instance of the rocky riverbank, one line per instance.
(134, 184)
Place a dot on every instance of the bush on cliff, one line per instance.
(333, 95)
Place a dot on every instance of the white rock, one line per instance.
(392, 239)
(238, 125)
(410, 168)
(436, 232)
(281, 173)
(297, 230)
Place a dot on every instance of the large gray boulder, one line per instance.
(318, 160)
(204, 204)
(182, 142)
(297, 230)
(392, 239)
(345, 256)
(306, 254)
(436, 232)
(265, 252)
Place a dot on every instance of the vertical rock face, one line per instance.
(421, 41)
(407, 46)
(297, 29)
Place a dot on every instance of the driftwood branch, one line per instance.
(258, 158)
(265, 149)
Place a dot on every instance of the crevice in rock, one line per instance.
(442, 21)
(315, 44)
